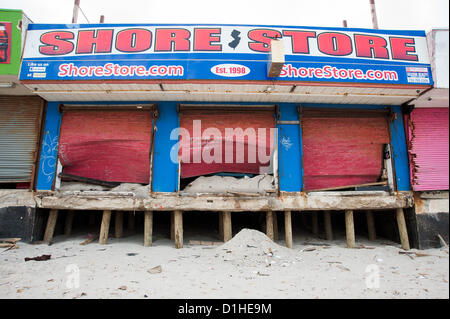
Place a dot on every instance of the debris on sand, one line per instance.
(39, 258)
(155, 270)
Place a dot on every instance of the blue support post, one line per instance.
(49, 149)
(289, 150)
(399, 150)
(165, 170)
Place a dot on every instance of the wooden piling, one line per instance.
(118, 225)
(104, 228)
(403, 231)
(172, 225)
(131, 221)
(371, 225)
(148, 228)
(315, 223)
(68, 223)
(328, 225)
(275, 226)
(288, 228)
(227, 226)
(269, 225)
(349, 229)
(221, 226)
(51, 223)
(178, 228)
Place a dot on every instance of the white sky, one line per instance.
(392, 14)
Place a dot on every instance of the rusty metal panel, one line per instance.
(19, 137)
(428, 148)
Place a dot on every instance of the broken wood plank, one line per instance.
(204, 243)
(4, 245)
(349, 186)
(10, 240)
(75, 178)
(443, 243)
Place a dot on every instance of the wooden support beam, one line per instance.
(315, 223)
(403, 231)
(221, 226)
(371, 225)
(172, 225)
(178, 228)
(349, 229)
(131, 221)
(275, 226)
(148, 228)
(328, 225)
(118, 225)
(288, 228)
(68, 223)
(104, 228)
(269, 225)
(227, 227)
(51, 223)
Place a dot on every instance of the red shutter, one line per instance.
(342, 151)
(111, 146)
(429, 148)
(222, 119)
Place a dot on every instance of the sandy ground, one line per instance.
(248, 266)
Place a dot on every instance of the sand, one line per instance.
(222, 184)
(248, 266)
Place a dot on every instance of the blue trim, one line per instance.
(49, 149)
(41, 26)
(289, 150)
(165, 172)
(399, 150)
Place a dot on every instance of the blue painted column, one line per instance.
(165, 170)
(399, 150)
(49, 149)
(289, 150)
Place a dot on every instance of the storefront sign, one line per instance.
(142, 52)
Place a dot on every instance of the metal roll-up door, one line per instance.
(20, 119)
(342, 147)
(215, 119)
(111, 144)
(429, 144)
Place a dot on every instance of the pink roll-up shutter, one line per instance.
(428, 148)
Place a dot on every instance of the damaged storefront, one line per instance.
(224, 119)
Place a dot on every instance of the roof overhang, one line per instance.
(232, 91)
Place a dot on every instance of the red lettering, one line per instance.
(55, 43)
(261, 38)
(371, 46)
(134, 40)
(401, 47)
(300, 40)
(178, 37)
(101, 39)
(203, 39)
(333, 43)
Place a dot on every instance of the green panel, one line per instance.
(14, 17)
